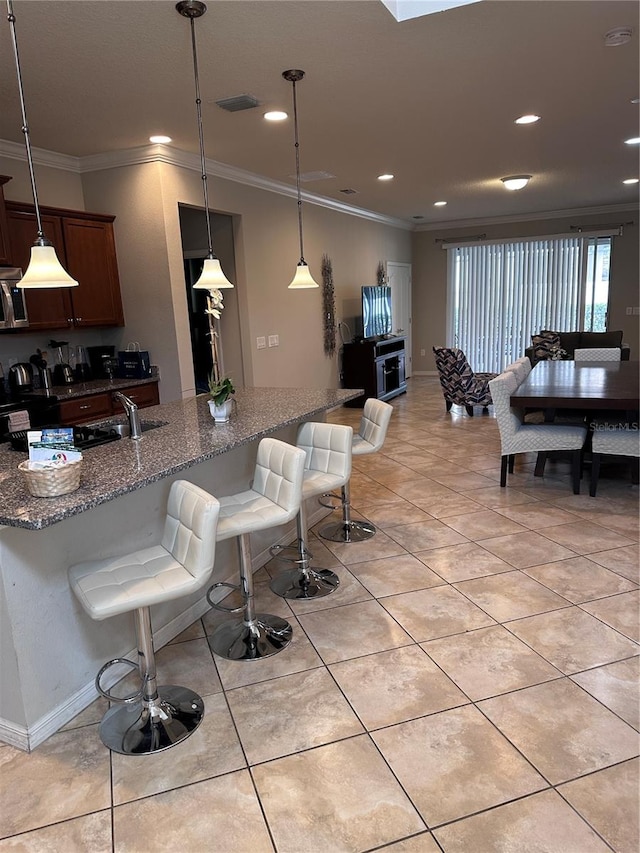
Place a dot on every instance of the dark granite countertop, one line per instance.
(189, 437)
(94, 386)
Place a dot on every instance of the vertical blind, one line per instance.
(499, 294)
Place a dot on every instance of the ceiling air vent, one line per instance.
(349, 192)
(240, 102)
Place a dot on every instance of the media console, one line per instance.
(377, 365)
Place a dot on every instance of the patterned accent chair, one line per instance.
(460, 385)
(619, 441)
(518, 437)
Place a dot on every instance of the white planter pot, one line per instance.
(220, 414)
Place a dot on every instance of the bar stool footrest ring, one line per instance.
(331, 500)
(216, 605)
(129, 700)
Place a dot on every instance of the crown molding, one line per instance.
(186, 160)
(602, 210)
(16, 151)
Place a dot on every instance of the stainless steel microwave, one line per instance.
(13, 309)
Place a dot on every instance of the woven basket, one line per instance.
(51, 482)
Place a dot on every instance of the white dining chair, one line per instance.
(518, 437)
(597, 354)
(616, 439)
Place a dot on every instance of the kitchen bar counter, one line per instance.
(93, 386)
(50, 650)
(188, 438)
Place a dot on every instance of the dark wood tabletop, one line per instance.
(580, 385)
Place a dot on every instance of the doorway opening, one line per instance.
(194, 251)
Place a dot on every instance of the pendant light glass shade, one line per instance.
(212, 277)
(45, 270)
(303, 278)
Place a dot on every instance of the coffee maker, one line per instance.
(62, 372)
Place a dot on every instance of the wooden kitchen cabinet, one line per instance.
(142, 396)
(85, 246)
(93, 407)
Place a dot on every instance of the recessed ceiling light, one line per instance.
(385, 177)
(276, 115)
(618, 36)
(635, 140)
(162, 140)
(528, 119)
(631, 181)
(516, 182)
(439, 203)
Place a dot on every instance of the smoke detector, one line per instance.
(618, 36)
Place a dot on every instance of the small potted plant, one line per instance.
(221, 392)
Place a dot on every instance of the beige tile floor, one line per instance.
(472, 685)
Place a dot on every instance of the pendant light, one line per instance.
(302, 278)
(212, 277)
(44, 270)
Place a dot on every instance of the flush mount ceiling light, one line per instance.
(44, 270)
(527, 119)
(303, 278)
(385, 177)
(160, 140)
(439, 203)
(635, 140)
(516, 182)
(276, 115)
(212, 277)
(631, 181)
(618, 36)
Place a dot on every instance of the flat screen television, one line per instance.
(376, 311)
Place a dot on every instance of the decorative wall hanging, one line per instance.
(328, 306)
(381, 274)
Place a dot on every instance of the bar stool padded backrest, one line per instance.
(327, 449)
(274, 497)
(181, 564)
(373, 427)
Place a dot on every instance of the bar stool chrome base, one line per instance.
(296, 584)
(265, 636)
(348, 531)
(146, 727)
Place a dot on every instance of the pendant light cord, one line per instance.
(41, 240)
(203, 163)
(297, 147)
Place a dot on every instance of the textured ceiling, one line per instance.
(431, 100)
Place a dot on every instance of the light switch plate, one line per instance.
(274, 340)
(261, 343)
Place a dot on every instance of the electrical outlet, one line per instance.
(261, 343)
(423, 352)
(274, 340)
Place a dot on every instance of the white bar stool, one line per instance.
(327, 449)
(273, 499)
(369, 439)
(154, 718)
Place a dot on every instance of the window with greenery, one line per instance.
(499, 294)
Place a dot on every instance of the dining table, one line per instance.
(588, 386)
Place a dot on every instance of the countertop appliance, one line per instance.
(20, 378)
(43, 411)
(13, 309)
(62, 371)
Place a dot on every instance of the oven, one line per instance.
(13, 309)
